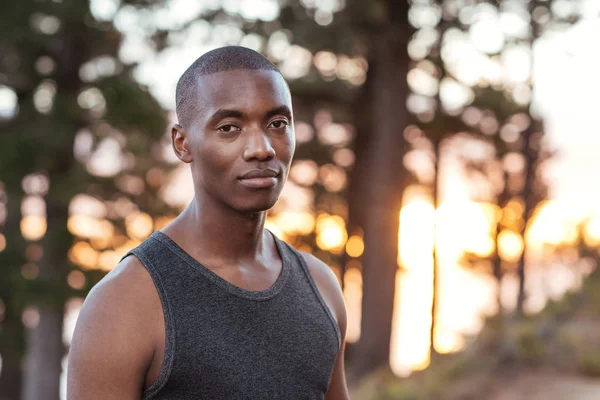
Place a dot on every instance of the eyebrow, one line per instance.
(228, 113)
(225, 113)
(282, 110)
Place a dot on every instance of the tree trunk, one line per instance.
(44, 356)
(45, 347)
(436, 267)
(528, 197)
(502, 200)
(357, 203)
(385, 179)
(11, 353)
(497, 269)
(11, 327)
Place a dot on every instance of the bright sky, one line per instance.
(567, 87)
(566, 71)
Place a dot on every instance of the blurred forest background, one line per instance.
(444, 170)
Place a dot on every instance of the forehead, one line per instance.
(244, 90)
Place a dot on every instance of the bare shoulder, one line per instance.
(129, 273)
(108, 356)
(127, 289)
(321, 272)
(329, 287)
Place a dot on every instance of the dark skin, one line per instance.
(243, 126)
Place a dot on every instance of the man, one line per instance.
(214, 306)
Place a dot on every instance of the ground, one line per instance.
(534, 386)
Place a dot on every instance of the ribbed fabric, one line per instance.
(225, 342)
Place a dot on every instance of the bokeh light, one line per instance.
(76, 280)
(355, 246)
(139, 226)
(33, 227)
(510, 245)
(331, 232)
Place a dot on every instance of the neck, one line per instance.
(211, 227)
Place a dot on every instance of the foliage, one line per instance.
(74, 98)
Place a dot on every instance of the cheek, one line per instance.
(214, 160)
(292, 146)
(287, 147)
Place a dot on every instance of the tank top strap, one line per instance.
(299, 258)
(150, 253)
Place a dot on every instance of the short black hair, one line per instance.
(226, 58)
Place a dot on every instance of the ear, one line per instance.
(181, 145)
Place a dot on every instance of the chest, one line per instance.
(250, 277)
(269, 350)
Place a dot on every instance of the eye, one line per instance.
(228, 128)
(278, 124)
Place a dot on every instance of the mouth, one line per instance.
(259, 179)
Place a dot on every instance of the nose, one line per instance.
(258, 146)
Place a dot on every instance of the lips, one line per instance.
(259, 178)
(260, 173)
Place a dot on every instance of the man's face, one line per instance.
(241, 142)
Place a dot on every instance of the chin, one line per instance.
(255, 205)
(256, 208)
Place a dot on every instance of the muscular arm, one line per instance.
(113, 342)
(331, 292)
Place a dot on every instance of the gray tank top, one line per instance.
(225, 342)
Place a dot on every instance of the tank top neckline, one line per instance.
(258, 295)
